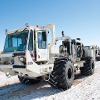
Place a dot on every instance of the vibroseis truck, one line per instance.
(28, 54)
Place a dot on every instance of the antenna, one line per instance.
(62, 33)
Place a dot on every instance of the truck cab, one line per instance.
(24, 50)
(25, 39)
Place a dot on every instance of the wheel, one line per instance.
(62, 76)
(89, 66)
(27, 81)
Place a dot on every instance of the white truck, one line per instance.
(28, 54)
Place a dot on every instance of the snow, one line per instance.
(83, 88)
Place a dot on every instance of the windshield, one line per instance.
(16, 41)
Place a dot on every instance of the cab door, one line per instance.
(41, 46)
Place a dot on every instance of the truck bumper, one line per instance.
(32, 71)
(6, 66)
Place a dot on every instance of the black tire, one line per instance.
(27, 81)
(89, 66)
(62, 76)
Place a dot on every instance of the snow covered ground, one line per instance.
(83, 88)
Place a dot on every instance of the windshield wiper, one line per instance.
(24, 29)
(22, 32)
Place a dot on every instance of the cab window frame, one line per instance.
(30, 46)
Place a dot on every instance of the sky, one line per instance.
(77, 18)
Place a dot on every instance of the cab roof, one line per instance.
(21, 29)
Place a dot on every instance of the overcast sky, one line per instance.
(77, 18)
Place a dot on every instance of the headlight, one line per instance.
(22, 59)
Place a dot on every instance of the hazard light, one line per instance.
(37, 25)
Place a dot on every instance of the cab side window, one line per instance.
(42, 40)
